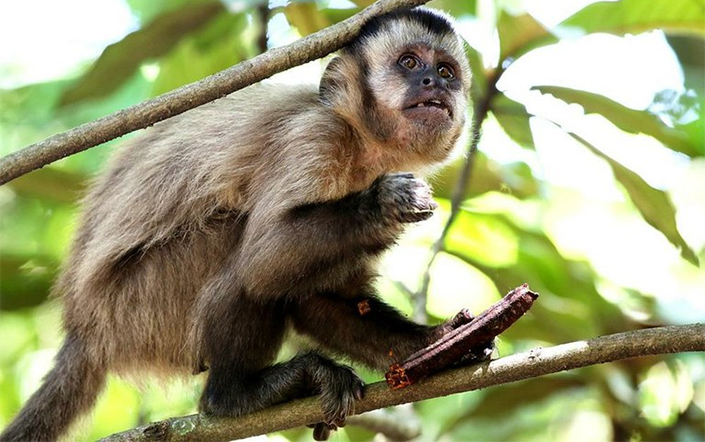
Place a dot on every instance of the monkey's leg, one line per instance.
(242, 343)
(368, 330)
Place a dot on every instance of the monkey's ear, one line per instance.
(332, 81)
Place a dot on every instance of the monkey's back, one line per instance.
(160, 221)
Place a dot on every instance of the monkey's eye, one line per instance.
(445, 71)
(409, 61)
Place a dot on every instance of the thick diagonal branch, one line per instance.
(192, 95)
(534, 363)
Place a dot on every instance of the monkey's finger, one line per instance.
(463, 317)
(415, 216)
(407, 175)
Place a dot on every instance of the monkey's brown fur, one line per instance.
(213, 230)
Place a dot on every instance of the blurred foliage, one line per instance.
(609, 252)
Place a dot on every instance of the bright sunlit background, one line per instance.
(589, 185)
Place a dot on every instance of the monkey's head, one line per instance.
(405, 80)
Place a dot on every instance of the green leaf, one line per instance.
(479, 86)
(635, 16)
(214, 48)
(518, 34)
(487, 175)
(514, 119)
(119, 61)
(306, 17)
(50, 184)
(454, 7)
(26, 279)
(629, 120)
(654, 205)
(148, 10)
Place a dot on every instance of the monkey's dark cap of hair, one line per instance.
(431, 21)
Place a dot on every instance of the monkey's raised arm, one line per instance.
(309, 247)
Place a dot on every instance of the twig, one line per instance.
(534, 363)
(187, 97)
(481, 111)
(263, 14)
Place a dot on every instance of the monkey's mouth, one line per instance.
(430, 106)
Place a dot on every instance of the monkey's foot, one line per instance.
(338, 388)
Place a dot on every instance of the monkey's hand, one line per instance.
(403, 198)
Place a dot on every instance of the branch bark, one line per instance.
(534, 363)
(187, 97)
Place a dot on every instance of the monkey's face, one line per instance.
(420, 96)
(431, 83)
(417, 76)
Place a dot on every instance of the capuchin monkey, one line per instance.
(217, 231)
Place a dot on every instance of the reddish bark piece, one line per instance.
(363, 307)
(456, 344)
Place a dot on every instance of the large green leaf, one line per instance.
(487, 175)
(654, 205)
(629, 120)
(634, 16)
(518, 34)
(119, 61)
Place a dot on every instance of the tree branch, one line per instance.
(481, 111)
(534, 363)
(187, 97)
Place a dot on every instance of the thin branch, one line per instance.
(263, 14)
(192, 95)
(534, 363)
(481, 111)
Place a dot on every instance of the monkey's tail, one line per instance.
(69, 390)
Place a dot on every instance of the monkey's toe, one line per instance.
(339, 395)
